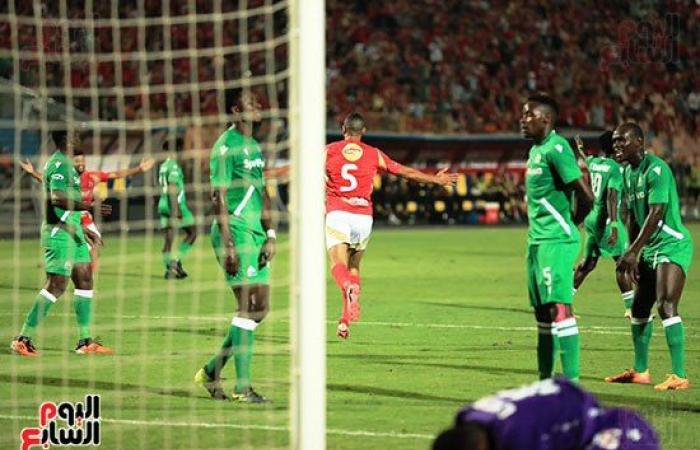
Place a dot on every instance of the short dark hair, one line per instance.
(354, 123)
(632, 127)
(463, 436)
(60, 138)
(232, 98)
(546, 101)
(605, 142)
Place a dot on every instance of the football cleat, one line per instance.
(351, 302)
(630, 376)
(170, 274)
(91, 346)
(248, 395)
(673, 383)
(23, 346)
(179, 271)
(343, 330)
(212, 386)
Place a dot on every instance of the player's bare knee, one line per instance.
(667, 308)
(56, 285)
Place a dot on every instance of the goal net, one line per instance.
(148, 86)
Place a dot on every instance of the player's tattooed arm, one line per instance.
(583, 199)
(28, 167)
(268, 219)
(628, 262)
(231, 259)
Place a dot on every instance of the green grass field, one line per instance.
(445, 320)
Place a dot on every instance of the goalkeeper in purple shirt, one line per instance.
(553, 414)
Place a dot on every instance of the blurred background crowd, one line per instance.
(416, 68)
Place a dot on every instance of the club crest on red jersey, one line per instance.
(352, 152)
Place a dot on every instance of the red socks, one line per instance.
(341, 275)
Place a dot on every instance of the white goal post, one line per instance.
(307, 114)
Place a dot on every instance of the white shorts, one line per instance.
(348, 228)
(92, 227)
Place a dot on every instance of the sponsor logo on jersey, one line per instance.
(250, 164)
(352, 152)
(534, 171)
(600, 168)
(57, 176)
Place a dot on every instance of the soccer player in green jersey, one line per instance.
(66, 253)
(552, 179)
(173, 210)
(657, 259)
(605, 231)
(244, 242)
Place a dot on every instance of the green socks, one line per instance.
(239, 341)
(167, 259)
(42, 304)
(82, 303)
(183, 250)
(642, 330)
(546, 349)
(675, 338)
(570, 344)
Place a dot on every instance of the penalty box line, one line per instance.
(159, 423)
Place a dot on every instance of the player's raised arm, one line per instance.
(145, 165)
(442, 177)
(28, 167)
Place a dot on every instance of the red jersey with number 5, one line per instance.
(350, 169)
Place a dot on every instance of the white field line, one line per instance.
(607, 330)
(161, 423)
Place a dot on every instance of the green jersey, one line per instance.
(652, 183)
(550, 167)
(236, 164)
(170, 173)
(605, 174)
(60, 176)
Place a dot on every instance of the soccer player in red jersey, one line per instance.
(350, 169)
(88, 180)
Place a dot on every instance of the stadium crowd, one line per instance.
(463, 68)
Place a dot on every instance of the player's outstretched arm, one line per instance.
(145, 165)
(442, 177)
(583, 198)
(28, 167)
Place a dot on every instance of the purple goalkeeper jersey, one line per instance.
(556, 414)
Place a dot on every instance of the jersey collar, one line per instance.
(545, 140)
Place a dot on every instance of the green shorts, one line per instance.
(597, 243)
(187, 219)
(680, 253)
(248, 245)
(63, 250)
(550, 272)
